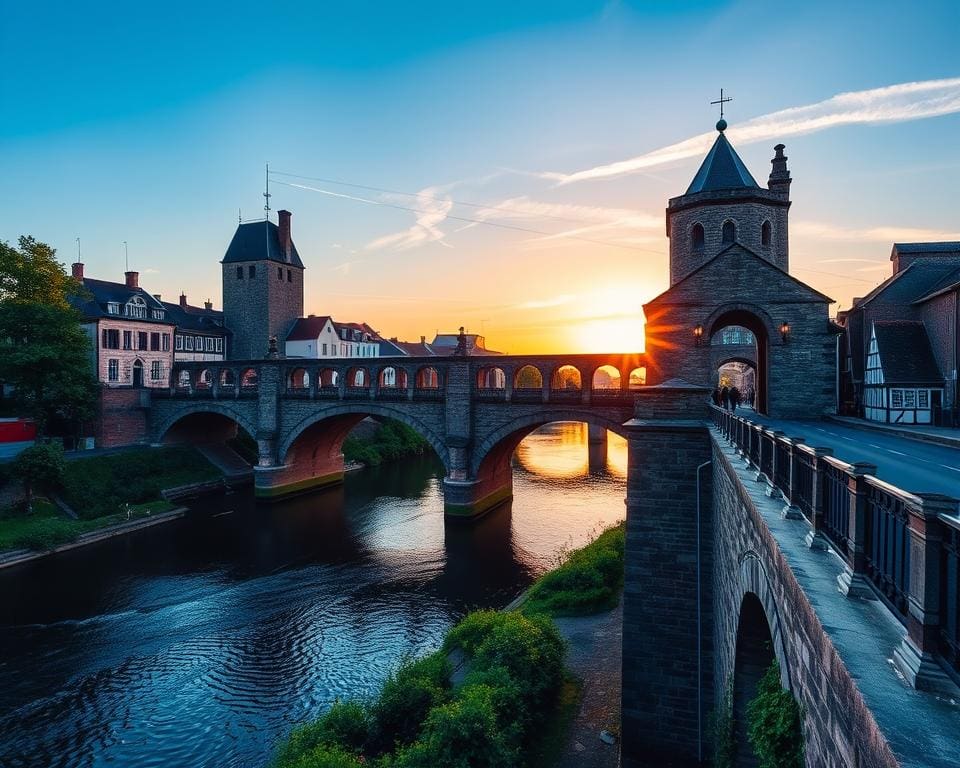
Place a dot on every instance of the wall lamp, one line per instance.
(698, 333)
(785, 331)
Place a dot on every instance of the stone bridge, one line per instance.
(472, 411)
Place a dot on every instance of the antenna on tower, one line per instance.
(239, 216)
(126, 257)
(266, 193)
(78, 250)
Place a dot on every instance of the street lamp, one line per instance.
(785, 331)
(698, 333)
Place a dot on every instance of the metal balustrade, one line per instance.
(878, 529)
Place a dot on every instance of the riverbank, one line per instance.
(375, 441)
(103, 496)
(497, 692)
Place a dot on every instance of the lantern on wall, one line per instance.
(698, 334)
(785, 330)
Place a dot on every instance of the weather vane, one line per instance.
(721, 101)
(266, 193)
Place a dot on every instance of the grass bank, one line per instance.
(103, 491)
(391, 440)
(509, 706)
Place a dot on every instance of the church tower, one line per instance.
(725, 205)
(262, 286)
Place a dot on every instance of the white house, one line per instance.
(320, 337)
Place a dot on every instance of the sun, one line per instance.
(611, 321)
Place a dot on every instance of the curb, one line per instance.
(920, 437)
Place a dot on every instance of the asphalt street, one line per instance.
(908, 464)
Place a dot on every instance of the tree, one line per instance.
(44, 352)
(39, 466)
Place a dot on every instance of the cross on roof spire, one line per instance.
(721, 101)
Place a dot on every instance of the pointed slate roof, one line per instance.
(259, 240)
(722, 168)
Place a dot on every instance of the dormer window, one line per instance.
(157, 314)
(135, 307)
(113, 308)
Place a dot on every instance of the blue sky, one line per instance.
(152, 125)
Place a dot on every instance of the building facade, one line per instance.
(199, 331)
(131, 335)
(322, 337)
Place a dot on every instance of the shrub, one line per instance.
(322, 756)
(392, 440)
(39, 466)
(462, 734)
(406, 698)
(773, 723)
(346, 725)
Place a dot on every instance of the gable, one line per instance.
(739, 274)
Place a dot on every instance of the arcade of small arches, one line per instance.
(728, 234)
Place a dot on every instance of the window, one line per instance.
(696, 237)
(155, 370)
(141, 340)
(178, 343)
(113, 370)
(909, 398)
(923, 398)
(896, 398)
(127, 340)
(166, 342)
(199, 344)
(154, 342)
(324, 349)
(188, 343)
(252, 271)
(135, 307)
(280, 273)
(113, 307)
(765, 233)
(111, 338)
(239, 273)
(289, 276)
(219, 344)
(157, 314)
(729, 232)
(208, 344)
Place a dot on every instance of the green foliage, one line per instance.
(406, 698)
(44, 353)
(721, 732)
(46, 528)
(40, 466)
(588, 581)
(392, 440)
(103, 485)
(323, 756)
(345, 726)
(774, 723)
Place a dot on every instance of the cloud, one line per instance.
(426, 228)
(893, 103)
(889, 234)
(346, 267)
(555, 301)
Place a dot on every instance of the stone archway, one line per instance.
(759, 323)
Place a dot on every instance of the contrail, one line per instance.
(893, 103)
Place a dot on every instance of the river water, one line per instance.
(201, 642)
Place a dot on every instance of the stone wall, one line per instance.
(122, 417)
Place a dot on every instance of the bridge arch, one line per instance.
(330, 427)
(203, 408)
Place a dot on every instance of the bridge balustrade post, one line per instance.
(815, 538)
(314, 374)
(916, 655)
(854, 581)
(773, 437)
(508, 383)
(791, 494)
(342, 383)
(215, 384)
(546, 382)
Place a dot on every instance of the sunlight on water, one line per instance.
(562, 450)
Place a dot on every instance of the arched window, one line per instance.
(299, 379)
(606, 378)
(765, 233)
(205, 379)
(528, 377)
(428, 377)
(136, 307)
(696, 237)
(729, 232)
(638, 377)
(248, 379)
(566, 378)
(226, 378)
(491, 378)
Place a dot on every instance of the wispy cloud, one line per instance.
(346, 267)
(894, 103)
(555, 301)
(889, 234)
(426, 229)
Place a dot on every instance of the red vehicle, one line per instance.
(15, 435)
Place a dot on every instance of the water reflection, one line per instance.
(202, 641)
(564, 450)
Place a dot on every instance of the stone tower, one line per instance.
(725, 205)
(262, 286)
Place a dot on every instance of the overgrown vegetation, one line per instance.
(46, 528)
(721, 732)
(419, 720)
(774, 723)
(587, 581)
(392, 440)
(40, 466)
(103, 485)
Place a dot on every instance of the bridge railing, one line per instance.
(901, 548)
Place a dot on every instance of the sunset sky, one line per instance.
(568, 124)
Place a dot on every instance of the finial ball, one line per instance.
(721, 125)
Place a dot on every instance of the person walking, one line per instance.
(734, 399)
(724, 398)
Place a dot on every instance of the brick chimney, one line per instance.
(77, 268)
(183, 300)
(423, 339)
(286, 244)
(208, 305)
(132, 279)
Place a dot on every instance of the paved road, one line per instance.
(908, 464)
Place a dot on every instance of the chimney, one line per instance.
(779, 180)
(423, 339)
(77, 268)
(183, 300)
(286, 244)
(132, 279)
(208, 305)
(157, 297)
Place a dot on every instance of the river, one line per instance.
(201, 642)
